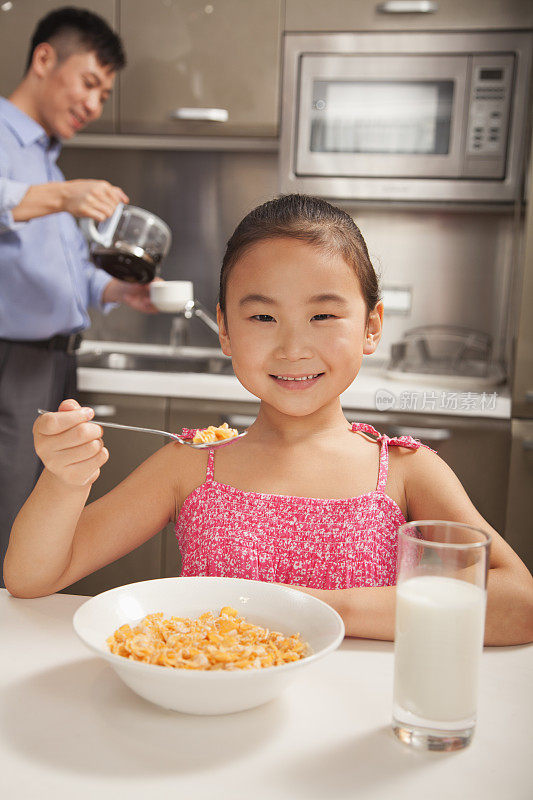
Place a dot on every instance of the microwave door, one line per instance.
(382, 116)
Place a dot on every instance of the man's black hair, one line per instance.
(91, 31)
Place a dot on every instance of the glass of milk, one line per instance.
(440, 622)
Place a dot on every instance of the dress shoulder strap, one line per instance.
(210, 472)
(188, 433)
(385, 442)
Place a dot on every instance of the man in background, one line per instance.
(47, 282)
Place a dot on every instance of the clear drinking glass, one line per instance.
(440, 623)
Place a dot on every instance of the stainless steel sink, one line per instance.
(213, 365)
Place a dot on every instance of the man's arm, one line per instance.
(81, 198)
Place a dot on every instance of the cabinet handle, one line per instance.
(240, 420)
(201, 114)
(529, 396)
(407, 7)
(527, 444)
(104, 411)
(429, 434)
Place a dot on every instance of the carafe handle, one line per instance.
(103, 234)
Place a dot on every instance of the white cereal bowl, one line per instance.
(171, 296)
(212, 691)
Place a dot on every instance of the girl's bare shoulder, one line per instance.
(184, 467)
(432, 489)
(417, 466)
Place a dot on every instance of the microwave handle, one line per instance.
(407, 7)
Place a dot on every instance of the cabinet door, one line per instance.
(185, 54)
(186, 413)
(519, 529)
(126, 451)
(464, 444)
(368, 15)
(18, 21)
(523, 367)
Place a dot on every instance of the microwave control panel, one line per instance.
(488, 116)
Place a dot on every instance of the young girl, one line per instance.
(305, 499)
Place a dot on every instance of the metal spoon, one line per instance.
(181, 440)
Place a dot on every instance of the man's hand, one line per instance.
(91, 198)
(131, 294)
(82, 198)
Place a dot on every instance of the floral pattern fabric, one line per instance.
(318, 543)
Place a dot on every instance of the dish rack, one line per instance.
(446, 354)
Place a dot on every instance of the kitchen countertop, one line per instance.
(372, 390)
(69, 728)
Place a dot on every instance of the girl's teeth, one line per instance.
(306, 378)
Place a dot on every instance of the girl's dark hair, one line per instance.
(89, 31)
(312, 220)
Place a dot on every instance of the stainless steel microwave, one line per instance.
(406, 116)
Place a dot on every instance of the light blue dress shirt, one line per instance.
(47, 281)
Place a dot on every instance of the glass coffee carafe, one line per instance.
(130, 245)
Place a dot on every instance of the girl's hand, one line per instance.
(70, 446)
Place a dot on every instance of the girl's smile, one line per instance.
(296, 383)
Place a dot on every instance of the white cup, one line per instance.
(171, 296)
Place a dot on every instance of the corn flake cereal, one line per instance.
(212, 434)
(207, 643)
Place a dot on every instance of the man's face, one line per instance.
(72, 93)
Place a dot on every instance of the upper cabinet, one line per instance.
(200, 68)
(368, 15)
(18, 20)
(212, 68)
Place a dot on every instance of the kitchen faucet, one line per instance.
(179, 333)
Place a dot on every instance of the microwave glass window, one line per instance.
(407, 117)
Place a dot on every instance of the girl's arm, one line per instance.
(55, 540)
(433, 491)
(368, 612)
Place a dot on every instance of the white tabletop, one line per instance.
(69, 728)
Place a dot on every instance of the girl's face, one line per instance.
(297, 325)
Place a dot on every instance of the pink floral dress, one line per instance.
(318, 543)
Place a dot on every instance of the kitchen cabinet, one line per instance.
(463, 443)
(477, 450)
(159, 556)
(189, 61)
(126, 451)
(520, 505)
(187, 413)
(519, 527)
(365, 15)
(18, 20)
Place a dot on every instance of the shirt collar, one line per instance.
(26, 129)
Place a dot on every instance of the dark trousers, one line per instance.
(31, 377)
